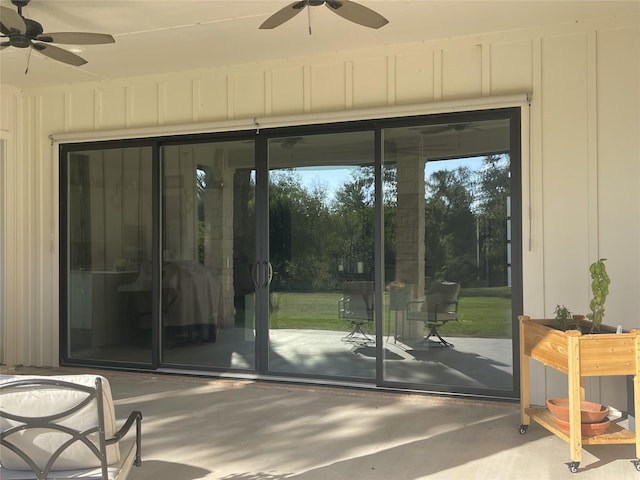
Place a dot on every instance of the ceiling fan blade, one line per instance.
(59, 54)
(283, 15)
(357, 13)
(76, 38)
(11, 22)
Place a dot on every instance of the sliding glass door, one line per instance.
(384, 252)
(448, 253)
(321, 250)
(208, 249)
(108, 214)
(169, 289)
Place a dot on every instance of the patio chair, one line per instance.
(63, 427)
(438, 308)
(356, 307)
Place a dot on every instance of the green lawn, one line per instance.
(317, 311)
(482, 312)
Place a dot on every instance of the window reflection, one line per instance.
(109, 237)
(207, 293)
(447, 254)
(313, 295)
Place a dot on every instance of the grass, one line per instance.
(482, 312)
(316, 311)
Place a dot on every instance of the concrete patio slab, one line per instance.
(225, 429)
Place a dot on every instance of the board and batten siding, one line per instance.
(580, 173)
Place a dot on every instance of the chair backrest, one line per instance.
(357, 298)
(441, 297)
(56, 423)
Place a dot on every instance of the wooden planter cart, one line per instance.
(579, 356)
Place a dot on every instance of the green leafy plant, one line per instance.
(563, 319)
(600, 288)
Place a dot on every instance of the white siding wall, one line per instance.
(8, 123)
(581, 175)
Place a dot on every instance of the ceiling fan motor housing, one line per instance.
(23, 40)
(349, 10)
(20, 3)
(316, 3)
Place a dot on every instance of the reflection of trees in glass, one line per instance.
(315, 243)
(450, 226)
(201, 185)
(360, 195)
(465, 213)
(353, 210)
(493, 195)
(301, 233)
(390, 205)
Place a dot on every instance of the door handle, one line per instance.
(267, 271)
(261, 274)
(254, 275)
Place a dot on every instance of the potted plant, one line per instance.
(600, 288)
(564, 322)
(594, 350)
(399, 295)
(563, 319)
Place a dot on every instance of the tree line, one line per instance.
(320, 238)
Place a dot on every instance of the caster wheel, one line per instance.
(523, 429)
(573, 466)
(636, 463)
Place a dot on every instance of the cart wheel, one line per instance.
(523, 429)
(573, 466)
(636, 463)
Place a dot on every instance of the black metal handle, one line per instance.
(254, 275)
(261, 274)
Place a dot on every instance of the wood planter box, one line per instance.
(578, 355)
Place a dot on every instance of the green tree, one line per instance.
(492, 198)
(450, 226)
(353, 208)
(299, 223)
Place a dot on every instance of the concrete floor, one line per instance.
(473, 363)
(245, 430)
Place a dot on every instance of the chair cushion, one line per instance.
(430, 303)
(38, 443)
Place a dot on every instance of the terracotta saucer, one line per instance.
(587, 429)
(589, 412)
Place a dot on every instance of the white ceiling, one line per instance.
(161, 36)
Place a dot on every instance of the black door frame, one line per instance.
(261, 137)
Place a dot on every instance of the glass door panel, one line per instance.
(321, 249)
(208, 248)
(448, 282)
(109, 233)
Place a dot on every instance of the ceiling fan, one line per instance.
(23, 33)
(351, 11)
(449, 127)
(289, 142)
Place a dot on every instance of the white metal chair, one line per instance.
(62, 427)
(356, 307)
(438, 308)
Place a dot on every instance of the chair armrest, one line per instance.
(134, 417)
(415, 301)
(447, 311)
